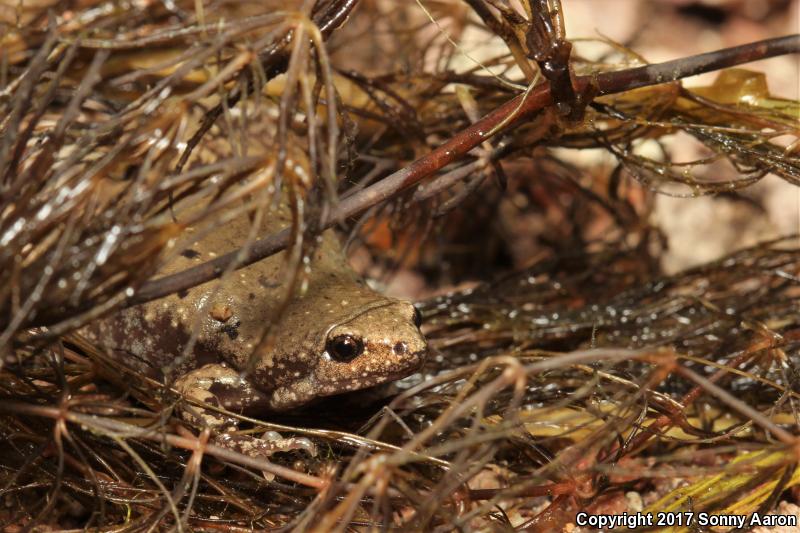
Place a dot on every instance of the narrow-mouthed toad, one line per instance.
(334, 334)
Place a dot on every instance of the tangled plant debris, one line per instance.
(575, 376)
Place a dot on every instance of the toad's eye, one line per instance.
(417, 317)
(344, 348)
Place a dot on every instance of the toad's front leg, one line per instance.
(216, 385)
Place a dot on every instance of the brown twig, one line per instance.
(123, 430)
(506, 116)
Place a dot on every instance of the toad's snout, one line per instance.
(381, 343)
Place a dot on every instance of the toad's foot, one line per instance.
(216, 385)
(270, 443)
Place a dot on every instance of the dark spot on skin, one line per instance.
(164, 354)
(205, 354)
(183, 294)
(171, 345)
(212, 400)
(190, 254)
(251, 296)
(231, 330)
(226, 396)
(271, 377)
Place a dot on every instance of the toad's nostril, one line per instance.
(400, 348)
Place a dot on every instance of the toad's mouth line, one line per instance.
(342, 386)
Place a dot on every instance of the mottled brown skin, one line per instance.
(230, 318)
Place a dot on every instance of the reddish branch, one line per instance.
(520, 107)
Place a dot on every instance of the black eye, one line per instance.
(344, 348)
(417, 317)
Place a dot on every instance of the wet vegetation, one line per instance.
(567, 370)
